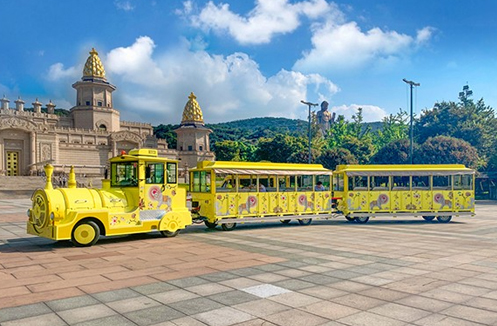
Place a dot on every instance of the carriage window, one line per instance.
(358, 183)
(154, 173)
(247, 183)
(325, 182)
(304, 182)
(225, 182)
(124, 174)
(338, 182)
(171, 173)
(286, 183)
(421, 182)
(401, 183)
(201, 181)
(463, 182)
(380, 183)
(267, 183)
(442, 182)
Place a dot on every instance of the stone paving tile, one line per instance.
(233, 297)
(424, 303)
(329, 310)
(208, 289)
(369, 319)
(295, 318)
(115, 320)
(42, 320)
(471, 314)
(187, 282)
(183, 321)
(225, 316)
(173, 296)
(448, 296)
(323, 292)
(195, 306)
(26, 311)
(294, 284)
(133, 304)
(240, 283)
(261, 307)
(109, 296)
(154, 288)
(443, 320)
(400, 312)
(83, 314)
(71, 303)
(153, 315)
(265, 290)
(358, 301)
(294, 299)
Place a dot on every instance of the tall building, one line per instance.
(91, 133)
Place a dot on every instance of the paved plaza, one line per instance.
(387, 272)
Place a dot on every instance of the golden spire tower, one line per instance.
(93, 66)
(192, 112)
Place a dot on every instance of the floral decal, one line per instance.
(382, 200)
(439, 199)
(154, 193)
(251, 202)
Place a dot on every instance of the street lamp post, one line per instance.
(411, 133)
(309, 104)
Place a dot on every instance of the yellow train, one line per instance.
(143, 195)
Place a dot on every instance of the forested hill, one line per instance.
(248, 129)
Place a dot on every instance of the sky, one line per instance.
(251, 58)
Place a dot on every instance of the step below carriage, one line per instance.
(143, 195)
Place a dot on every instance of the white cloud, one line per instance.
(57, 72)
(259, 26)
(155, 87)
(424, 35)
(346, 46)
(370, 113)
(124, 5)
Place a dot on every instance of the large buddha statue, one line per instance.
(324, 119)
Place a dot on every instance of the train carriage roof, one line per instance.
(266, 168)
(404, 169)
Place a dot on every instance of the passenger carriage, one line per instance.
(227, 193)
(430, 191)
(142, 195)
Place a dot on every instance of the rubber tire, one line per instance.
(362, 220)
(95, 238)
(210, 225)
(169, 234)
(305, 221)
(285, 221)
(228, 226)
(444, 219)
(429, 218)
(350, 219)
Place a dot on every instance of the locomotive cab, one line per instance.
(142, 195)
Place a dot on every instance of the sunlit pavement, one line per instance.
(387, 272)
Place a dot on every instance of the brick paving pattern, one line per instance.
(388, 272)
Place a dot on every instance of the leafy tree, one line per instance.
(393, 127)
(302, 156)
(362, 150)
(330, 158)
(395, 152)
(279, 148)
(229, 150)
(166, 132)
(472, 122)
(447, 150)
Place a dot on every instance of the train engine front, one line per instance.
(142, 195)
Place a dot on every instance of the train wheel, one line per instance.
(169, 234)
(362, 219)
(444, 219)
(210, 225)
(85, 234)
(285, 221)
(429, 218)
(305, 221)
(228, 226)
(350, 219)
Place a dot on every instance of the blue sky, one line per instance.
(247, 58)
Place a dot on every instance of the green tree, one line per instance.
(302, 156)
(229, 150)
(393, 127)
(361, 149)
(330, 158)
(395, 152)
(166, 132)
(279, 148)
(447, 150)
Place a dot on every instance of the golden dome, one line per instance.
(93, 66)
(192, 112)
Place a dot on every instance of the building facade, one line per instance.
(91, 133)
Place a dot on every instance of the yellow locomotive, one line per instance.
(142, 195)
